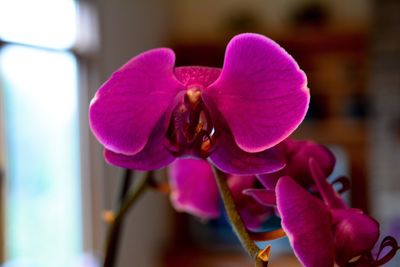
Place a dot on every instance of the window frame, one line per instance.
(87, 74)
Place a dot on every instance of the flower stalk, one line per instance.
(237, 222)
(126, 201)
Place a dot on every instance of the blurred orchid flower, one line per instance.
(150, 112)
(325, 231)
(194, 190)
(295, 154)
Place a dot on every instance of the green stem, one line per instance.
(115, 227)
(235, 219)
(133, 197)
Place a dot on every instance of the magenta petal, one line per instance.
(296, 154)
(239, 183)
(330, 196)
(153, 156)
(145, 160)
(307, 223)
(262, 196)
(261, 92)
(269, 180)
(195, 75)
(127, 106)
(193, 188)
(355, 234)
(252, 213)
(298, 164)
(228, 157)
(299, 161)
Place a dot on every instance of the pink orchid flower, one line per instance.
(296, 154)
(150, 112)
(325, 231)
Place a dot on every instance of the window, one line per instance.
(39, 89)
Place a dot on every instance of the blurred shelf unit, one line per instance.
(336, 64)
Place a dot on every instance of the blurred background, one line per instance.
(54, 54)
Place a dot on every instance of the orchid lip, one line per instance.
(191, 130)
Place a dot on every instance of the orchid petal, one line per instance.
(296, 154)
(330, 196)
(262, 196)
(261, 92)
(239, 183)
(269, 180)
(298, 164)
(307, 223)
(193, 188)
(153, 156)
(228, 157)
(127, 107)
(355, 234)
(252, 213)
(195, 75)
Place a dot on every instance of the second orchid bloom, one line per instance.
(311, 211)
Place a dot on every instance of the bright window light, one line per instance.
(46, 23)
(43, 189)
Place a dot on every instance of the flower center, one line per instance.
(190, 130)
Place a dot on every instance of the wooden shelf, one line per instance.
(348, 132)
